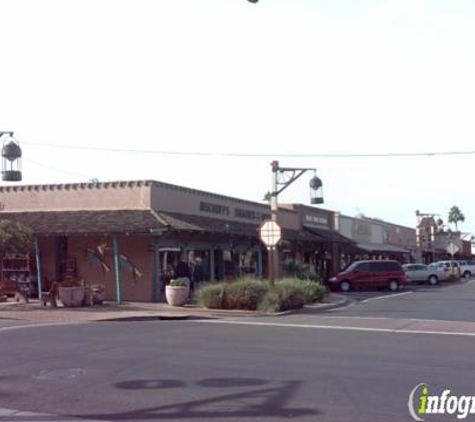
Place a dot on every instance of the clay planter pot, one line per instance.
(177, 295)
(95, 297)
(72, 296)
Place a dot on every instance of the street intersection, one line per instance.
(354, 363)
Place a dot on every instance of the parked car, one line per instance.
(422, 273)
(364, 274)
(467, 269)
(451, 269)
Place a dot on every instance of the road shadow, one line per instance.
(260, 398)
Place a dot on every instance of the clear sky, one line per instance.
(292, 80)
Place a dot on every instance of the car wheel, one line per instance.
(393, 285)
(433, 280)
(467, 275)
(345, 286)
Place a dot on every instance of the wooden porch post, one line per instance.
(38, 268)
(212, 274)
(157, 271)
(259, 263)
(115, 242)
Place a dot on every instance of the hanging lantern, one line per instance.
(11, 158)
(316, 190)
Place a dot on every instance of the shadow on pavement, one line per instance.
(271, 400)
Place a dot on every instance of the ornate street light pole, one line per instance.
(282, 178)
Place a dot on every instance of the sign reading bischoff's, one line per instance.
(224, 210)
(214, 208)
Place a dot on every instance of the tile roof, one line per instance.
(147, 221)
(82, 222)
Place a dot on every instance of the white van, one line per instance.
(451, 269)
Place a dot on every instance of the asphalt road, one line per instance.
(252, 369)
(218, 371)
(446, 301)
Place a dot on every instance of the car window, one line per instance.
(393, 266)
(384, 266)
(363, 267)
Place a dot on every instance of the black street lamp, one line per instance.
(283, 177)
(11, 158)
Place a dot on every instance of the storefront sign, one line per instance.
(214, 208)
(313, 219)
(238, 212)
(250, 214)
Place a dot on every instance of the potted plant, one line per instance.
(177, 291)
(71, 294)
(95, 294)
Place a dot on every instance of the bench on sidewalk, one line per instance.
(10, 288)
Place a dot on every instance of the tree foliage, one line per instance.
(456, 216)
(15, 238)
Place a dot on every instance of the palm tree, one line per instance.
(455, 215)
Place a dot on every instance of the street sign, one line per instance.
(270, 233)
(452, 248)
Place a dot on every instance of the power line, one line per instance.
(250, 155)
(57, 170)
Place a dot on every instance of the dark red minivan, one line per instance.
(369, 274)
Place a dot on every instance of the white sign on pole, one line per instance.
(452, 248)
(270, 233)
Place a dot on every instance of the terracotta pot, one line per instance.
(72, 296)
(95, 297)
(177, 295)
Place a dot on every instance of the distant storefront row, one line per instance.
(133, 237)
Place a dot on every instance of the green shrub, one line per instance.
(313, 291)
(180, 282)
(244, 294)
(283, 296)
(210, 295)
(252, 294)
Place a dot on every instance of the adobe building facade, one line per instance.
(129, 236)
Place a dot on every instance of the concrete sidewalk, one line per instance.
(111, 311)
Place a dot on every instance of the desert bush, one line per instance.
(313, 291)
(283, 296)
(210, 295)
(252, 294)
(244, 294)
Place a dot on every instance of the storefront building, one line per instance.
(131, 236)
(376, 239)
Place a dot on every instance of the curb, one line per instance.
(172, 315)
(145, 318)
(343, 301)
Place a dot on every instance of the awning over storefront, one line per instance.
(380, 247)
(327, 235)
(88, 222)
(198, 223)
(149, 221)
